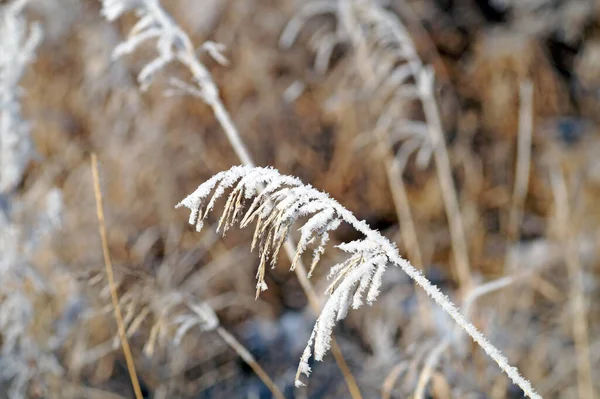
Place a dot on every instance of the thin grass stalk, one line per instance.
(111, 280)
(250, 361)
(390, 380)
(522, 170)
(580, 328)
(435, 355)
(560, 375)
(394, 167)
(443, 169)
(520, 187)
(223, 333)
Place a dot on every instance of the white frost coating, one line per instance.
(363, 284)
(336, 308)
(376, 282)
(371, 256)
(17, 43)
(336, 269)
(353, 247)
(311, 227)
(320, 249)
(18, 280)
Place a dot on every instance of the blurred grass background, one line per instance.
(154, 150)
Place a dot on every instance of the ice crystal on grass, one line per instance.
(285, 200)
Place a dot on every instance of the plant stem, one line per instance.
(111, 280)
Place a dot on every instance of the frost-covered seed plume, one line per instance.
(276, 208)
(385, 59)
(172, 43)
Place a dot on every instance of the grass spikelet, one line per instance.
(362, 272)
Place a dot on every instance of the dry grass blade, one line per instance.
(111, 281)
(391, 378)
(577, 295)
(249, 359)
(394, 168)
(523, 159)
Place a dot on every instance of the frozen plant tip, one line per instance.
(276, 208)
(172, 43)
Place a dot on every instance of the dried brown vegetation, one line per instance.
(154, 150)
